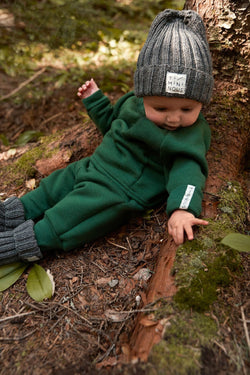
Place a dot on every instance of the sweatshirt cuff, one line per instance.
(187, 197)
(92, 98)
(46, 237)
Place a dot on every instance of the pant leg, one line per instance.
(50, 191)
(93, 208)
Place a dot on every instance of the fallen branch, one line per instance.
(18, 338)
(245, 327)
(147, 333)
(23, 84)
(16, 316)
(112, 346)
(51, 118)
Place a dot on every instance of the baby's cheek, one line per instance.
(189, 120)
(154, 118)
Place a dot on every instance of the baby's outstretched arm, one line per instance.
(181, 222)
(87, 89)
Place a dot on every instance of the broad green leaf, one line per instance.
(237, 241)
(10, 273)
(28, 136)
(4, 139)
(39, 285)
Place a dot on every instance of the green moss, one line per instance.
(164, 308)
(25, 164)
(203, 266)
(196, 329)
(233, 206)
(204, 286)
(21, 169)
(230, 106)
(24, 167)
(174, 359)
(180, 351)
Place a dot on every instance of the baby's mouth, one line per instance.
(168, 127)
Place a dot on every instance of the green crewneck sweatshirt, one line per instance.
(137, 166)
(147, 161)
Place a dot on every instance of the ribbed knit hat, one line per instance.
(175, 59)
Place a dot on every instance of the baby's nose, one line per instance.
(173, 117)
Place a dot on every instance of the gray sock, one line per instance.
(19, 244)
(11, 214)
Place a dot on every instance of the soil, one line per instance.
(91, 323)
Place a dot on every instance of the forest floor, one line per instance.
(87, 326)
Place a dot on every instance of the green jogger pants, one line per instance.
(77, 205)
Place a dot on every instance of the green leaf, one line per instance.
(10, 273)
(4, 140)
(29, 135)
(39, 285)
(237, 241)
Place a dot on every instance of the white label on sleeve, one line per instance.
(176, 83)
(187, 197)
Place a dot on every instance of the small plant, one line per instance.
(237, 241)
(40, 284)
(28, 136)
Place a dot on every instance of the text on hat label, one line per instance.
(176, 83)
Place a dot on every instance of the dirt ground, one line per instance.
(86, 327)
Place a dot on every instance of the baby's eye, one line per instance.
(186, 109)
(160, 109)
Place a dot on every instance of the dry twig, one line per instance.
(115, 244)
(51, 118)
(245, 327)
(18, 338)
(16, 316)
(23, 84)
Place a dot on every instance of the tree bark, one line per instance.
(227, 23)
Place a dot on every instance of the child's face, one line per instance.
(171, 113)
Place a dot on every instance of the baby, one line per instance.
(153, 150)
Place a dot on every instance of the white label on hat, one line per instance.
(176, 83)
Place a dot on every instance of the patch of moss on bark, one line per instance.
(204, 286)
(203, 266)
(180, 351)
(24, 167)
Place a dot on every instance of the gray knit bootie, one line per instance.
(19, 244)
(11, 214)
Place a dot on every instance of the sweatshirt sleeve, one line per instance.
(186, 169)
(100, 110)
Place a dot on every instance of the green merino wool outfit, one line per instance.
(137, 166)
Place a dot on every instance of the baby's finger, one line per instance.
(170, 230)
(178, 236)
(200, 222)
(189, 233)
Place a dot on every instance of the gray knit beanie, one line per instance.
(175, 59)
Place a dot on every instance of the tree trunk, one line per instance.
(227, 23)
(228, 37)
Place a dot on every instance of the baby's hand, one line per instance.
(182, 221)
(87, 89)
